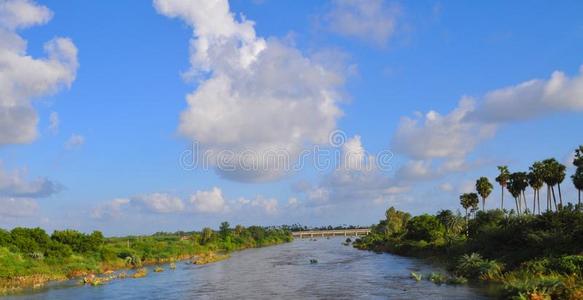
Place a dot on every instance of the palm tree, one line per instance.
(535, 180)
(517, 183)
(469, 201)
(484, 188)
(578, 182)
(549, 179)
(578, 160)
(502, 179)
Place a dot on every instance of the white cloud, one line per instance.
(268, 205)
(441, 136)
(74, 142)
(159, 203)
(449, 138)
(533, 98)
(357, 179)
(54, 122)
(17, 207)
(15, 184)
(256, 95)
(23, 78)
(112, 209)
(370, 20)
(23, 13)
(211, 201)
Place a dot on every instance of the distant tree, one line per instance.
(535, 180)
(424, 227)
(396, 221)
(206, 235)
(225, 229)
(484, 188)
(516, 185)
(578, 159)
(469, 201)
(554, 174)
(502, 180)
(239, 229)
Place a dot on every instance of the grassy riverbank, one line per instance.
(530, 256)
(30, 257)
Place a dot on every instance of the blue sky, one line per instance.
(111, 162)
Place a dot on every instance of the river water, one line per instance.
(277, 272)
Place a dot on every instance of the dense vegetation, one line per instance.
(30, 256)
(533, 252)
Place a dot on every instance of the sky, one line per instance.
(141, 116)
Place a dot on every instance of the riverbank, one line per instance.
(29, 258)
(529, 256)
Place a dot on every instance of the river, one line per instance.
(277, 272)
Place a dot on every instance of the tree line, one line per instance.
(548, 172)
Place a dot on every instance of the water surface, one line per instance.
(278, 272)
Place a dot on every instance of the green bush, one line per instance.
(424, 227)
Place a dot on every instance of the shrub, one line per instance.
(424, 227)
(474, 266)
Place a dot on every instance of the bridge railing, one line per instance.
(329, 233)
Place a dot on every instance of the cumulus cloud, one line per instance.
(369, 20)
(450, 138)
(256, 95)
(15, 184)
(211, 201)
(24, 78)
(159, 203)
(17, 207)
(74, 142)
(268, 205)
(441, 136)
(531, 99)
(112, 209)
(357, 178)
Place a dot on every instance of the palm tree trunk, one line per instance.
(538, 199)
(483, 204)
(502, 187)
(517, 208)
(524, 200)
(554, 197)
(534, 202)
(560, 196)
(548, 198)
(579, 201)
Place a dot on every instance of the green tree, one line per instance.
(517, 183)
(469, 202)
(554, 174)
(424, 227)
(535, 180)
(206, 236)
(396, 221)
(578, 159)
(502, 180)
(484, 188)
(225, 230)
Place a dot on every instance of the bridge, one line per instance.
(328, 233)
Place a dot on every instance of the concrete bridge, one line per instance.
(328, 233)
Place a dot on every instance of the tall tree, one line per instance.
(549, 179)
(469, 201)
(578, 182)
(502, 179)
(578, 160)
(517, 183)
(484, 188)
(535, 180)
